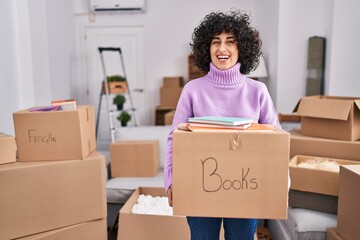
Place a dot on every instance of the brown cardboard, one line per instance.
(135, 158)
(315, 180)
(241, 174)
(176, 81)
(322, 147)
(7, 148)
(56, 135)
(93, 230)
(330, 117)
(169, 96)
(332, 235)
(150, 227)
(46, 195)
(115, 87)
(348, 220)
(169, 116)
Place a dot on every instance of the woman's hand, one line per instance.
(169, 195)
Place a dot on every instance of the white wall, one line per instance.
(37, 41)
(298, 20)
(343, 75)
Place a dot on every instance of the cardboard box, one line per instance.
(332, 235)
(322, 147)
(169, 96)
(160, 114)
(7, 148)
(150, 227)
(56, 135)
(348, 220)
(42, 196)
(169, 116)
(330, 117)
(241, 174)
(177, 81)
(315, 180)
(135, 158)
(93, 230)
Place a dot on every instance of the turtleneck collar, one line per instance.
(225, 78)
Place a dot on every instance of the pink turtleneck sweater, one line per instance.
(225, 93)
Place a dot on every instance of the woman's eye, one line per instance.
(231, 42)
(215, 42)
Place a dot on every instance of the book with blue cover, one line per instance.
(227, 121)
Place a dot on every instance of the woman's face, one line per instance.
(223, 51)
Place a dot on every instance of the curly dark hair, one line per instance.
(236, 22)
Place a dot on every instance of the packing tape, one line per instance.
(235, 141)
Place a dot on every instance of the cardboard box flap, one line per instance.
(333, 108)
(357, 103)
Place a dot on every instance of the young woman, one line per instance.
(226, 47)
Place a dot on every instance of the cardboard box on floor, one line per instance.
(150, 227)
(348, 220)
(93, 230)
(241, 174)
(322, 147)
(330, 117)
(331, 234)
(42, 196)
(7, 148)
(315, 180)
(135, 158)
(55, 135)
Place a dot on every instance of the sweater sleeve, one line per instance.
(182, 113)
(268, 114)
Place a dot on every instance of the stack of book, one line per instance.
(217, 123)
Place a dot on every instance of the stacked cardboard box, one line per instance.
(329, 129)
(170, 91)
(169, 96)
(7, 148)
(193, 71)
(56, 190)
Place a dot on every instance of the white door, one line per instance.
(131, 41)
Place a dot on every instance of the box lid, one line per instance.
(337, 108)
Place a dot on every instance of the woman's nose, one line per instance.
(222, 48)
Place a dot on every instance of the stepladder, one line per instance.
(107, 93)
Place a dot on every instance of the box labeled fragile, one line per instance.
(135, 158)
(150, 226)
(330, 117)
(92, 230)
(318, 175)
(241, 174)
(7, 148)
(47, 195)
(323, 147)
(348, 220)
(55, 135)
